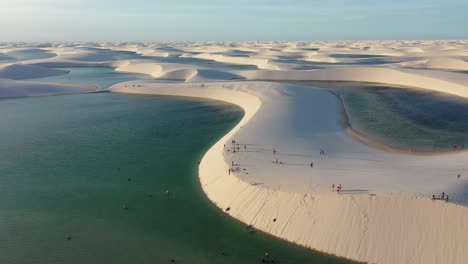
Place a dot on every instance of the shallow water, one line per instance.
(28, 55)
(404, 118)
(64, 177)
(102, 77)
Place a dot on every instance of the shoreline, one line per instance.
(366, 139)
(351, 229)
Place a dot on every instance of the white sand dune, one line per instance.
(393, 227)
(363, 74)
(20, 72)
(447, 64)
(15, 88)
(172, 71)
(384, 215)
(260, 63)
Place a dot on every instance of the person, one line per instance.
(232, 164)
(245, 147)
(312, 164)
(125, 206)
(459, 176)
(433, 197)
(443, 195)
(276, 161)
(274, 151)
(463, 146)
(333, 187)
(229, 171)
(446, 198)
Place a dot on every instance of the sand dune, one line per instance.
(19, 72)
(298, 122)
(447, 64)
(260, 63)
(15, 88)
(384, 215)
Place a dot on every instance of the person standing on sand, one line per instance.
(274, 151)
(333, 187)
(312, 164)
(245, 147)
(459, 176)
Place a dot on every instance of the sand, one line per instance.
(384, 214)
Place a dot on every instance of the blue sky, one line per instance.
(166, 20)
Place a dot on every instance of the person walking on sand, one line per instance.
(333, 187)
(274, 151)
(312, 164)
(245, 147)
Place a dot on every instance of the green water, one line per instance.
(64, 170)
(404, 118)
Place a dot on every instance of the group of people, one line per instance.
(339, 188)
(235, 146)
(443, 196)
(455, 147)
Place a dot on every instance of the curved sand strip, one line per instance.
(386, 228)
(365, 74)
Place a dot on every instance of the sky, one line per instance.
(243, 20)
